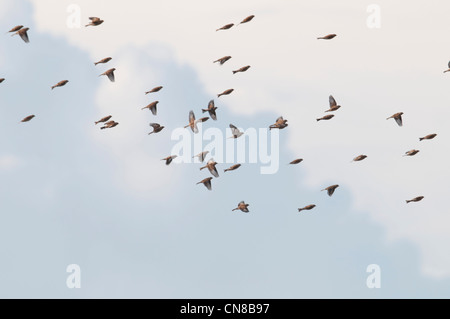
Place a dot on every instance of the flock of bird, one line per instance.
(280, 122)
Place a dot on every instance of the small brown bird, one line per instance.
(226, 27)
(397, 117)
(415, 199)
(296, 161)
(16, 28)
(428, 137)
(326, 117)
(156, 128)
(192, 122)
(110, 74)
(94, 21)
(104, 119)
(248, 19)
(223, 60)
(169, 159)
(333, 104)
(211, 110)
(308, 207)
(206, 182)
(23, 34)
(359, 158)
(109, 124)
(60, 83)
(105, 60)
(411, 153)
(28, 118)
(327, 37)
(243, 69)
(201, 156)
(211, 166)
(330, 189)
(156, 89)
(151, 107)
(448, 70)
(235, 132)
(280, 123)
(232, 168)
(242, 206)
(2, 79)
(226, 92)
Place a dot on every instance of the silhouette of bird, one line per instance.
(223, 60)
(235, 131)
(94, 21)
(211, 166)
(330, 189)
(105, 60)
(397, 117)
(109, 124)
(110, 74)
(156, 128)
(104, 119)
(359, 158)
(201, 156)
(411, 153)
(169, 159)
(155, 89)
(415, 199)
(248, 19)
(242, 206)
(280, 123)
(23, 34)
(428, 137)
(226, 92)
(151, 107)
(192, 122)
(2, 79)
(15, 29)
(232, 168)
(60, 83)
(226, 27)
(28, 118)
(206, 182)
(296, 161)
(308, 207)
(448, 67)
(243, 69)
(327, 37)
(211, 110)
(333, 105)
(326, 117)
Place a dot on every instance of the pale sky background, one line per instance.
(72, 194)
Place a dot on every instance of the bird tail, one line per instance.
(87, 25)
(319, 38)
(203, 110)
(202, 167)
(234, 72)
(218, 95)
(144, 107)
(187, 126)
(300, 209)
(96, 122)
(407, 201)
(226, 170)
(150, 133)
(234, 209)
(318, 120)
(103, 127)
(421, 138)
(447, 70)
(95, 63)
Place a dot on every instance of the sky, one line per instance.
(71, 193)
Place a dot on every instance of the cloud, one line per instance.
(9, 162)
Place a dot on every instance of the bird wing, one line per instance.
(213, 115)
(191, 116)
(332, 101)
(399, 121)
(330, 191)
(24, 36)
(153, 109)
(111, 76)
(211, 104)
(208, 184)
(154, 125)
(234, 129)
(279, 120)
(449, 64)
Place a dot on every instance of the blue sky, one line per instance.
(72, 194)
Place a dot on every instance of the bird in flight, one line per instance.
(156, 128)
(330, 189)
(103, 120)
(151, 107)
(333, 105)
(296, 161)
(235, 132)
(201, 156)
(211, 166)
(232, 168)
(397, 117)
(27, 119)
(60, 83)
(226, 92)
(243, 69)
(23, 34)
(308, 207)
(15, 29)
(280, 123)
(211, 110)
(415, 199)
(109, 124)
(223, 60)
(169, 159)
(226, 27)
(105, 60)
(192, 122)
(248, 19)
(94, 21)
(110, 74)
(411, 153)
(428, 137)
(326, 117)
(206, 182)
(448, 68)
(242, 206)
(155, 89)
(327, 37)
(359, 158)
